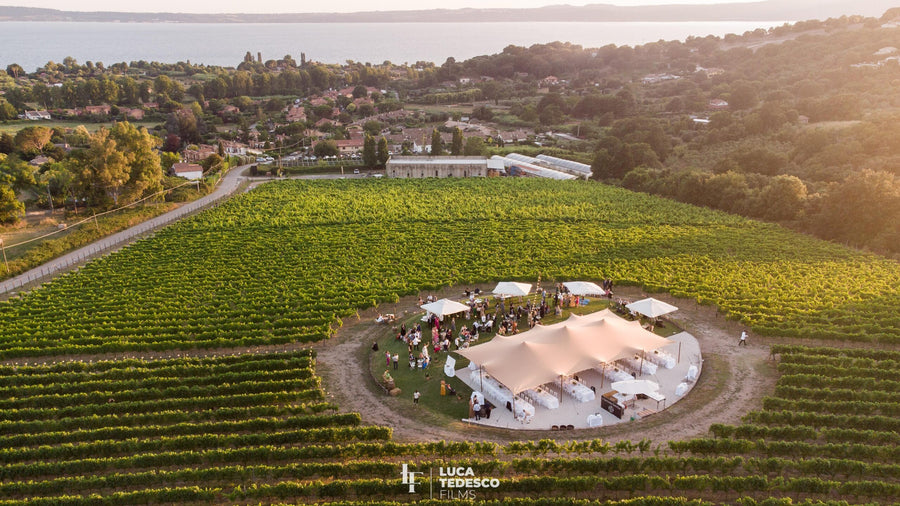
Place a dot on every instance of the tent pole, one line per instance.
(481, 376)
(679, 352)
(642, 363)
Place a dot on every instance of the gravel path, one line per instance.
(733, 382)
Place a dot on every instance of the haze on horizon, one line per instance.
(288, 6)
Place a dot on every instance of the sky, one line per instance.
(278, 6)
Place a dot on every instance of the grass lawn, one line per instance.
(428, 381)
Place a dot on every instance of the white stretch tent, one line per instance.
(545, 353)
(651, 307)
(444, 307)
(512, 288)
(584, 288)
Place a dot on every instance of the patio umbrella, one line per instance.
(634, 387)
(444, 307)
(512, 288)
(651, 307)
(584, 288)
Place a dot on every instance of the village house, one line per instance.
(717, 104)
(190, 171)
(295, 114)
(39, 160)
(658, 78)
(350, 146)
(96, 110)
(197, 153)
(37, 115)
(234, 148)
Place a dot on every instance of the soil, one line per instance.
(733, 381)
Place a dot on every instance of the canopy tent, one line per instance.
(584, 288)
(651, 307)
(512, 289)
(634, 387)
(444, 307)
(545, 353)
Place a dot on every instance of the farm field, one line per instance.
(285, 263)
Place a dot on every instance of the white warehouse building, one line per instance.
(441, 166)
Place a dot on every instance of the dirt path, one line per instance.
(733, 381)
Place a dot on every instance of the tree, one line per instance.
(31, 140)
(7, 110)
(474, 146)
(15, 70)
(213, 164)
(11, 210)
(743, 95)
(325, 148)
(862, 210)
(144, 169)
(383, 152)
(437, 145)
(369, 156)
(107, 169)
(57, 181)
(456, 146)
(782, 199)
(360, 91)
(16, 173)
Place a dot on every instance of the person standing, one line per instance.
(396, 360)
(743, 341)
(416, 396)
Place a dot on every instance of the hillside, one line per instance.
(767, 10)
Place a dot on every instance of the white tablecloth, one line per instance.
(614, 374)
(661, 358)
(681, 389)
(524, 410)
(634, 362)
(692, 373)
(578, 390)
(494, 391)
(543, 398)
(595, 420)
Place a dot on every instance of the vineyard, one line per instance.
(287, 262)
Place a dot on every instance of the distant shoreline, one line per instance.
(762, 11)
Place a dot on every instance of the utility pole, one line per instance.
(3, 247)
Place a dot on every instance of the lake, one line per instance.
(32, 44)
